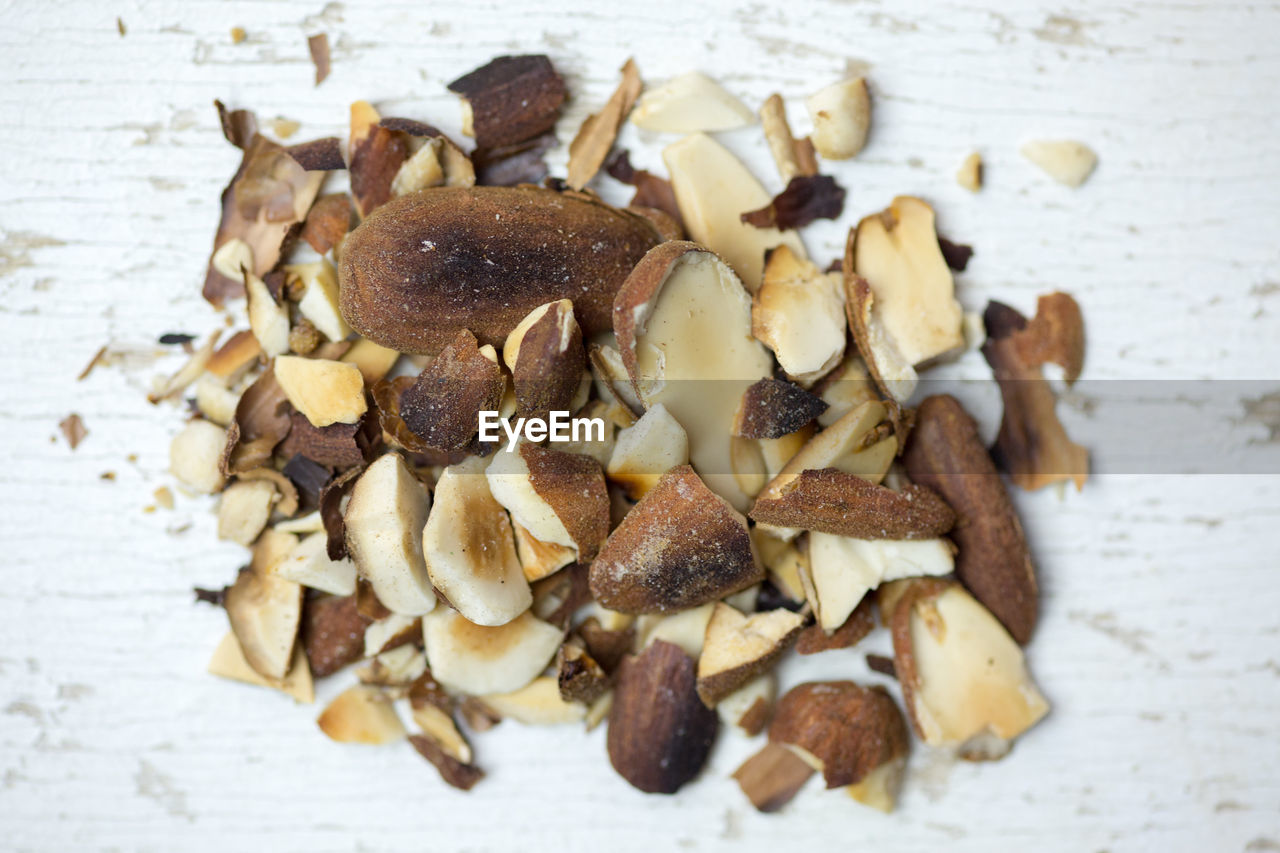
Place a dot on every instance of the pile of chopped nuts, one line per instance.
(765, 480)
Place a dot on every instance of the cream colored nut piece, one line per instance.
(264, 612)
(646, 450)
(540, 559)
(244, 509)
(233, 258)
(687, 629)
(713, 189)
(845, 388)
(389, 629)
(319, 302)
(384, 521)
(845, 569)
(268, 319)
(964, 679)
(897, 252)
(792, 157)
(228, 661)
(215, 400)
(422, 170)
(538, 703)
(749, 706)
(361, 714)
(738, 648)
(374, 361)
(470, 549)
(683, 322)
(689, 103)
(799, 314)
(841, 115)
(892, 372)
(396, 667)
(309, 564)
(479, 660)
(1066, 161)
(558, 497)
(879, 788)
(439, 724)
(970, 174)
(195, 454)
(326, 392)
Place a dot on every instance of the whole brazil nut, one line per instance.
(425, 265)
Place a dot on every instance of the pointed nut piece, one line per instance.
(792, 156)
(646, 450)
(841, 116)
(772, 777)
(690, 103)
(994, 563)
(545, 356)
(1066, 161)
(751, 705)
(832, 501)
(897, 252)
(889, 369)
(558, 497)
(540, 559)
(384, 521)
(844, 730)
(470, 549)
(457, 773)
(594, 140)
(798, 312)
(268, 319)
(244, 509)
(843, 569)
(195, 455)
(361, 714)
(713, 189)
(538, 703)
(964, 679)
(683, 323)
(332, 633)
(681, 546)
(773, 408)
(969, 175)
(443, 406)
(264, 612)
(327, 392)
(738, 648)
(660, 734)
(479, 660)
(228, 661)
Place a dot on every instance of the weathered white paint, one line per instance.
(1160, 643)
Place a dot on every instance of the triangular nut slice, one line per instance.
(558, 497)
(361, 714)
(681, 546)
(265, 612)
(738, 648)
(443, 405)
(832, 501)
(327, 392)
(772, 408)
(546, 358)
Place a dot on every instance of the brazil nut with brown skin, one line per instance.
(425, 265)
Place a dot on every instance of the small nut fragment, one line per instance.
(374, 361)
(681, 546)
(480, 660)
(772, 777)
(970, 174)
(799, 314)
(713, 189)
(832, 501)
(964, 680)
(843, 569)
(892, 373)
(309, 564)
(841, 116)
(195, 455)
(690, 103)
(843, 730)
(470, 550)
(994, 563)
(361, 714)
(773, 408)
(660, 734)
(558, 497)
(268, 319)
(1066, 161)
(686, 629)
(228, 661)
(459, 774)
(244, 509)
(545, 356)
(646, 450)
(897, 252)
(384, 522)
(580, 676)
(594, 140)
(738, 648)
(327, 392)
(443, 406)
(510, 99)
(264, 612)
(538, 703)
(319, 302)
(793, 156)
(332, 633)
(540, 559)
(750, 706)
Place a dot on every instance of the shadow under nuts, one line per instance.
(425, 265)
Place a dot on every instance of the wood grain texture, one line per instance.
(1160, 637)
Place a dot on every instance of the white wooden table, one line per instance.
(1160, 639)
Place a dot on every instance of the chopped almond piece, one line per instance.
(594, 140)
(264, 612)
(309, 564)
(1066, 161)
(361, 714)
(228, 661)
(970, 174)
(244, 510)
(841, 116)
(844, 569)
(799, 314)
(646, 450)
(690, 103)
(739, 647)
(481, 660)
(327, 392)
(194, 456)
(538, 703)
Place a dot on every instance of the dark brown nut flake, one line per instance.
(581, 678)
(772, 408)
(332, 633)
(319, 155)
(832, 501)
(772, 777)
(335, 446)
(376, 156)
(510, 99)
(318, 47)
(328, 222)
(806, 198)
(993, 561)
(680, 546)
(849, 729)
(442, 408)
(660, 734)
(459, 775)
(547, 360)
(429, 264)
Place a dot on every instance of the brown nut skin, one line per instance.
(832, 501)
(427, 264)
(660, 733)
(852, 729)
(993, 562)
